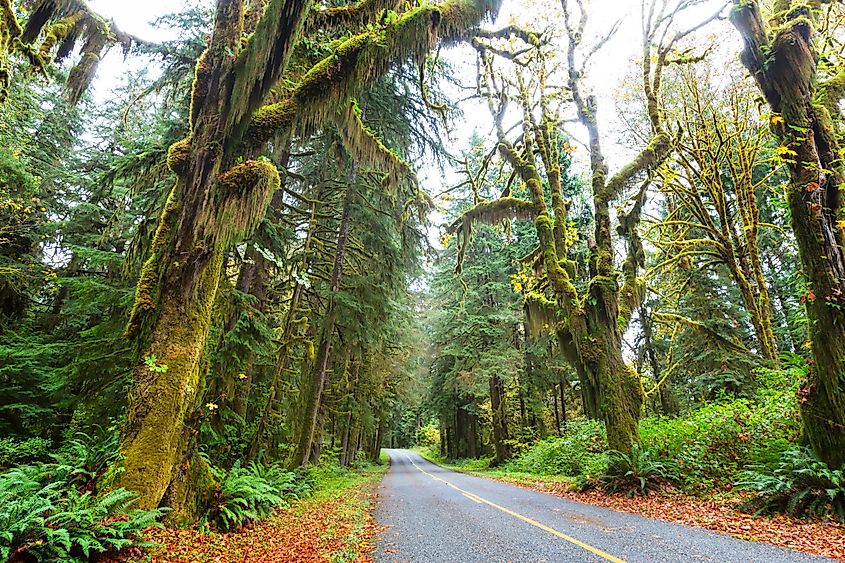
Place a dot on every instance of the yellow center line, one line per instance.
(478, 499)
(473, 498)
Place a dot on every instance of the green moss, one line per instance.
(178, 155)
(199, 88)
(147, 289)
(244, 191)
(156, 440)
(367, 148)
(352, 17)
(271, 118)
(59, 32)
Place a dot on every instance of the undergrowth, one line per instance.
(800, 485)
(54, 512)
(251, 493)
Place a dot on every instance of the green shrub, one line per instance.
(637, 473)
(713, 444)
(801, 484)
(252, 493)
(14, 451)
(428, 436)
(577, 452)
(51, 512)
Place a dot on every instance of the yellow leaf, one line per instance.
(776, 119)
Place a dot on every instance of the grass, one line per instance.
(481, 468)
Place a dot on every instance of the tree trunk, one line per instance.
(500, 421)
(782, 61)
(344, 444)
(562, 406)
(215, 203)
(375, 453)
(314, 391)
(472, 436)
(668, 402)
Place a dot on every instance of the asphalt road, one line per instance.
(432, 514)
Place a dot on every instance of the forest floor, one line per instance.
(811, 536)
(335, 524)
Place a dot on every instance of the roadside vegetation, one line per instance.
(334, 523)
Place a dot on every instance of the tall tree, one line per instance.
(590, 323)
(718, 169)
(784, 55)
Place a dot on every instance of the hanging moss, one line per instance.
(72, 21)
(363, 58)
(346, 18)
(244, 193)
(260, 63)
(365, 146)
(495, 211)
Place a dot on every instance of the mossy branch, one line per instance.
(364, 58)
(494, 212)
(653, 154)
(67, 23)
(701, 327)
(349, 17)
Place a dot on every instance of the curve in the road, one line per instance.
(431, 514)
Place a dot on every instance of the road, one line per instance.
(432, 514)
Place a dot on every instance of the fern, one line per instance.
(801, 485)
(252, 493)
(636, 474)
(51, 511)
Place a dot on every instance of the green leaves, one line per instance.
(800, 485)
(252, 493)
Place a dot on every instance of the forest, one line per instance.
(243, 255)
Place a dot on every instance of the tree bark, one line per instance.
(500, 421)
(781, 59)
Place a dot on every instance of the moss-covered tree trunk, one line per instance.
(214, 204)
(781, 58)
(498, 406)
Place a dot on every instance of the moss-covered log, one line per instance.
(781, 58)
